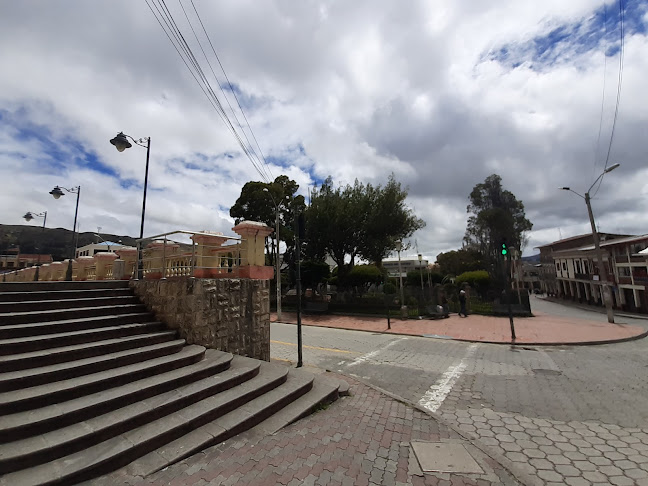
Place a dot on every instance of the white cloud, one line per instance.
(348, 89)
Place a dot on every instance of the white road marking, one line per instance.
(368, 356)
(435, 396)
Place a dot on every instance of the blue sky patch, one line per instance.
(567, 41)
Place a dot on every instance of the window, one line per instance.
(565, 266)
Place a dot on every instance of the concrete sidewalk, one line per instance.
(542, 329)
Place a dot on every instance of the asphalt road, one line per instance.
(566, 414)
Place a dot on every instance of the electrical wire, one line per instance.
(619, 83)
(230, 85)
(598, 138)
(174, 34)
(249, 144)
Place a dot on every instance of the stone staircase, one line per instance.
(90, 382)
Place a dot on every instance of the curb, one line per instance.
(505, 343)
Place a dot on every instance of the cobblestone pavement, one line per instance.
(553, 415)
(363, 439)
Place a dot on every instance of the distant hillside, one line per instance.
(531, 259)
(54, 241)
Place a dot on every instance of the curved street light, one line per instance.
(56, 193)
(597, 246)
(121, 143)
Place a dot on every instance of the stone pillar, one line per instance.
(208, 254)
(57, 270)
(253, 235)
(28, 274)
(45, 271)
(129, 256)
(103, 262)
(80, 267)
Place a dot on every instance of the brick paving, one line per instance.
(540, 329)
(362, 439)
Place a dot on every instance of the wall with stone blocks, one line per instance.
(230, 315)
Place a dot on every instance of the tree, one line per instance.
(496, 216)
(388, 220)
(257, 204)
(360, 221)
(459, 261)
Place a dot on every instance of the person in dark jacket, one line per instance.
(462, 303)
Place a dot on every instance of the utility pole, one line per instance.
(601, 266)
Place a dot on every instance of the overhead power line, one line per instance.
(173, 32)
(619, 83)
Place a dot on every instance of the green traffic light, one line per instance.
(504, 249)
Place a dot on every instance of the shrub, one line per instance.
(478, 279)
(389, 288)
(361, 275)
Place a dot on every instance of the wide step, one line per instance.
(44, 357)
(24, 424)
(135, 428)
(39, 396)
(70, 369)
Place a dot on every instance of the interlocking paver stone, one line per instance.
(317, 446)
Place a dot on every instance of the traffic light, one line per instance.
(504, 248)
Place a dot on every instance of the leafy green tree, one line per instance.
(362, 276)
(496, 215)
(388, 220)
(257, 203)
(314, 272)
(456, 262)
(359, 221)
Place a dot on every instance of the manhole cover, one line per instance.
(540, 371)
(445, 457)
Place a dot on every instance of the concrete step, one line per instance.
(324, 391)
(54, 286)
(14, 380)
(146, 424)
(68, 325)
(9, 318)
(296, 386)
(44, 357)
(35, 343)
(70, 303)
(28, 423)
(63, 294)
(47, 394)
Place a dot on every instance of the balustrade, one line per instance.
(209, 255)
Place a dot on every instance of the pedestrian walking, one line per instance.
(462, 303)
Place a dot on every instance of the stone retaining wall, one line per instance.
(231, 315)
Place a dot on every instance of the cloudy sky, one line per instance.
(442, 94)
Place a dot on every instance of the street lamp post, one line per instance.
(597, 246)
(420, 259)
(277, 264)
(121, 143)
(56, 194)
(28, 217)
(399, 247)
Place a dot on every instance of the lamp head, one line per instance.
(420, 257)
(28, 216)
(565, 188)
(611, 168)
(120, 142)
(57, 193)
